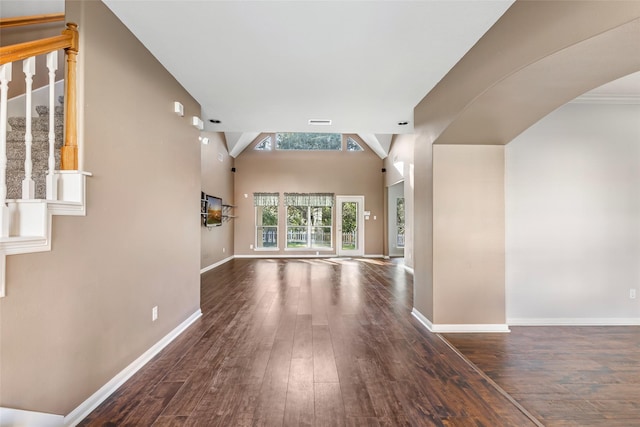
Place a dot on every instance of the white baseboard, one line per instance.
(18, 418)
(422, 319)
(217, 264)
(85, 408)
(267, 255)
(471, 328)
(560, 321)
(459, 328)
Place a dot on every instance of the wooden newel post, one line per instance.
(69, 154)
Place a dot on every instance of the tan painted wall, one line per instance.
(423, 226)
(75, 317)
(217, 180)
(468, 234)
(342, 173)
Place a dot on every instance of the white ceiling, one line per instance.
(266, 66)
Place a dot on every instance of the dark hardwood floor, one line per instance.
(564, 376)
(308, 342)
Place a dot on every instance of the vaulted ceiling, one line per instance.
(268, 66)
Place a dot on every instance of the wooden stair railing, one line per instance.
(68, 41)
(21, 21)
(25, 222)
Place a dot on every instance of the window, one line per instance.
(309, 220)
(352, 145)
(264, 145)
(400, 222)
(266, 220)
(309, 141)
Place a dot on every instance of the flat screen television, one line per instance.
(214, 211)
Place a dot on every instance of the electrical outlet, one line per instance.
(224, 250)
(154, 313)
(250, 246)
(632, 293)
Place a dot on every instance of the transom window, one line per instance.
(300, 141)
(309, 220)
(264, 145)
(352, 145)
(309, 141)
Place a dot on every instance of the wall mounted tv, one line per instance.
(214, 211)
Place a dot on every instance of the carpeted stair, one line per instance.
(39, 150)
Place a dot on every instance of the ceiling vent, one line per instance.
(319, 122)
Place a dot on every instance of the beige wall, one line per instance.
(217, 180)
(423, 226)
(468, 234)
(76, 316)
(339, 172)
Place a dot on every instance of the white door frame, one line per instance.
(359, 251)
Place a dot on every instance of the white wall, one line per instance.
(573, 217)
(11, 8)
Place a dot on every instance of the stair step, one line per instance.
(17, 137)
(14, 186)
(43, 110)
(36, 155)
(37, 123)
(39, 150)
(36, 144)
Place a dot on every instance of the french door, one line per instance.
(350, 225)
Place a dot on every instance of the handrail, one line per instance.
(20, 21)
(20, 51)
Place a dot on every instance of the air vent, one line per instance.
(319, 122)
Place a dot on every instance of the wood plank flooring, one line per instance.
(307, 343)
(564, 376)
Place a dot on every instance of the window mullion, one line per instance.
(309, 227)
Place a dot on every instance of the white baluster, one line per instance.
(28, 186)
(5, 78)
(52, 182)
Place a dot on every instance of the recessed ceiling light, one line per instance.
(215, 121)
(403, 123)
(319, 122)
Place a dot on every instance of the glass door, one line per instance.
(350, 224)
